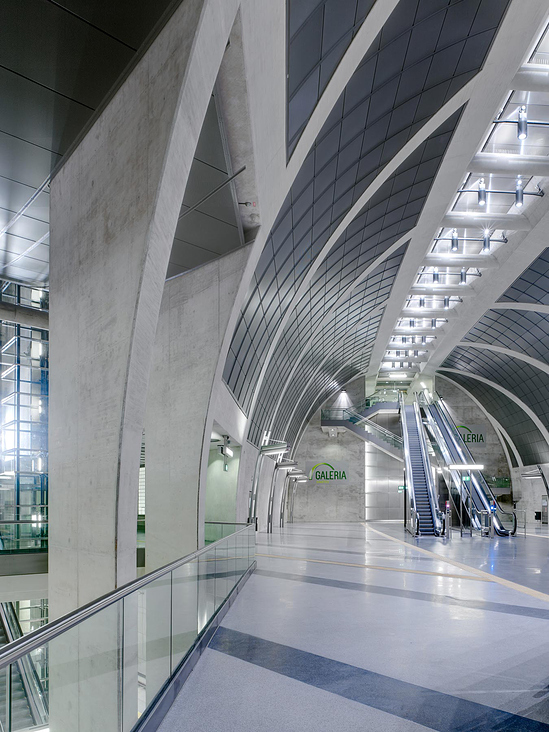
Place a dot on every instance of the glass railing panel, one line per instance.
(206, 588)
(184, 610)
(86, 674)
(105, 670)
(156, 606)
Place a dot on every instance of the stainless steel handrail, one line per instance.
(437, 520)
(481, 486)
(408, 471)
(37, 638)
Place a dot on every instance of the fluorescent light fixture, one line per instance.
(522, 126)
(466, 466)
(290, 465)
(481, 192)
(519, 193)
(302, 480)
(398, 376)
(227, 451)
(423, 385)
(274, 449)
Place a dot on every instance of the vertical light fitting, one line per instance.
(446, 303)
(436, 276)
(463, 276)
(421, 302)
(433, 323)
(455, 240)
(481, 192)
(423, 340)
(412, 323)
(522, 126)
(486, 240)
(519, 193)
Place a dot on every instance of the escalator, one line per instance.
(479, 498)
(421, 490)
(28, 706)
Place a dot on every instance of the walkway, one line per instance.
(348, 627)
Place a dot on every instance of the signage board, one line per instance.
(472, 433)
(327, 472)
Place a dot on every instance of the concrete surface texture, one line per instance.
(193, 318)
(329, 501)
(118, 196)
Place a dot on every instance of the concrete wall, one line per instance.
(221, 487)
(192, 322)
(332, 501)
(528, 492)
(383, 475)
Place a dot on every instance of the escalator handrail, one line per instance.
(435, 513)
(408, 467)
(29, 676)
(478, 479)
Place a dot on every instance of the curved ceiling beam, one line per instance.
(369, 30)
(541, 365)
(509, 394)
(531, 306)
(451, 107)
(352, 57)
(492, 85)
(493, 421)
(329, 355)
(301, 430)
(345, 296)
(525, 248)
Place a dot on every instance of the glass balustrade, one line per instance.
(108, 662)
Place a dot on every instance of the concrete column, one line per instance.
(193, 318)
(114, 208)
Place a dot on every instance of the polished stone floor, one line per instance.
(361, 627)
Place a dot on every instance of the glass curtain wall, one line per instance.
(24, 430)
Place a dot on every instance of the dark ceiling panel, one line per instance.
(61, 53)
(527, 438)
(423, 44)
(527, 383)
(320, 32)
(130, 21)
(533, 284)
(519, 330)
(391, 212)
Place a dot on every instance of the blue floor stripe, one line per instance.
(432, 709)
(495, 607)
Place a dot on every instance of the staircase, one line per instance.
(21, 717)
(419, 479)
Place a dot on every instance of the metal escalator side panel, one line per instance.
(482, 494)
(24, 673)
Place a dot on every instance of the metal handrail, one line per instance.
(13, 651)
(481, 486)
(29, 676)
(437, 520)
(408, 472)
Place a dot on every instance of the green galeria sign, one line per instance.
(474, 433)
(328, 473)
